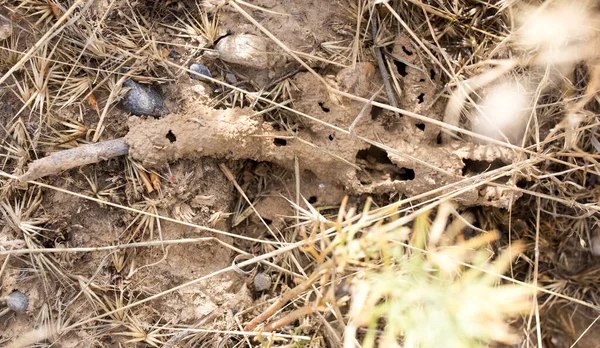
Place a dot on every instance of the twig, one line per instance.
(15, 24)
(174, 341)
(403, 61)
(231, 178)
(295, 315)
(109, 101)
(119, 247)
(285, 298)
(79, 156)
(363, 111)
(380, 62)
(281, 78)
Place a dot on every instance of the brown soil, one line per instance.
(187, 148)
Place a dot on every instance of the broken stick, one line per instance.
(79, 156)
(380, 62)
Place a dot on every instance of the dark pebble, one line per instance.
(143, 100)
(174, 54)
(200, 69)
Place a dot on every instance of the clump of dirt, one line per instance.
(414, 164)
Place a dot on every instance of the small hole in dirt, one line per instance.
(373, 155)
(421, 126)
(279, 142)
(330, 137)
(404, 174)
(591, 180)
(312, 199)
(376, 111)
(268, 221)
(474, 167)
(172, 138)
(378, 166)
(469, 232)
(405, 50)
(322, 105)
(438, 140)
(421, 98)
(422, 80)
(432, 74)
(401, 67)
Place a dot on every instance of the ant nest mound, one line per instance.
(385, 153)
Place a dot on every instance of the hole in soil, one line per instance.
(279, 142)
(330, 137)
(421, 126)
(376, 111)
(172, 138)
(312, 199)
(591, 180)
(374, 155)
(378, 167)
(469, 232)
(432, 74)
(268, 221)
(405, 50)
(404, 174)
(438, 140)
(522, 183)
(421, 98)
(473, 167)
(422, 80)
(401, 67)
(322, 105)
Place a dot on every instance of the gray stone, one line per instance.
(200, 69)
(245, 49)
(143, 100)
(262, 281)
(17, 301)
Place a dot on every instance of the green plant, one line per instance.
(410, 286)
(432, 289)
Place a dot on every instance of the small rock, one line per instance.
(200, 69)
(143, 100)
(17, 301)
(245, 49)
(262, 281)
(174, 54)
(6, 30)
(229, 77)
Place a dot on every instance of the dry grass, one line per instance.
(346, 277)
